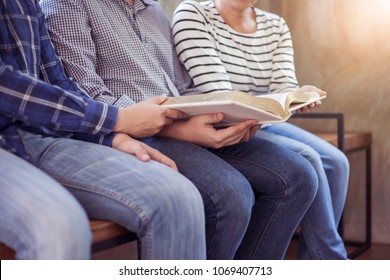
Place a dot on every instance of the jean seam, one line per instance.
(308, 233)
(256, 164)
(216, 224)
(119, 198)
(259, 242)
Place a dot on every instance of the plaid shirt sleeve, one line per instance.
(60, 105)
(39, 104)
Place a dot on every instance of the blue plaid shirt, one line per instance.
(35, 94)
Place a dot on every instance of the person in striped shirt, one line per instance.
(231, 45)
(53, 172)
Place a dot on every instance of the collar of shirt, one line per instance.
(141, 4)
(147, 2)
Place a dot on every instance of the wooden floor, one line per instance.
(129, 251)
(376, 252)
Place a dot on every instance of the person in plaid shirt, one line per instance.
(61, 162)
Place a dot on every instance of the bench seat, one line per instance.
(106, 235)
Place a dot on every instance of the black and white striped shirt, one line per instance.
(219, 58)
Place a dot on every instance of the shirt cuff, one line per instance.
(100, 118)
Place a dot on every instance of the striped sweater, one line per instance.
(219, 58)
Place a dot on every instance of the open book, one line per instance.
(238, 106)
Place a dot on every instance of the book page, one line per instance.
(297, 105)
(280, 97)
(293, 100)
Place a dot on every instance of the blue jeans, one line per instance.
(286, 182)
(160, 205)
(320, 239)
(227, 195)
(39, 218)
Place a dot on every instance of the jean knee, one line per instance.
(56, 233)
(236, 199)
(339, 162)
(180, 200)
(312, 156)
(70, 232)
(310, 181)
(304, 183)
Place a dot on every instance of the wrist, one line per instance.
(174, 131)
(118, 127)
(118, 139)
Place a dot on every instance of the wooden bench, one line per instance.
(107, 234)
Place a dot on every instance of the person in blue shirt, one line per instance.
(54, 175)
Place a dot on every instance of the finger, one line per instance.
(246, 136)
(235, 134)
(160, 157)
(156, 99)
(174, 114)
(253, 130)
(243, 137)
(209, 118)
(242, 126)
(169, 162)
(133, 147)
(168, 122)
(140, 152)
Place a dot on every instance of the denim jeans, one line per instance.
(227, 195)
(39, 218)
(320, 239)
(286, 182)
(160, 205)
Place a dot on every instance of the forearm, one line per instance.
(51, 106)
(97, 90)
(175, 131)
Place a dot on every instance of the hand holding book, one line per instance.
(311, 106)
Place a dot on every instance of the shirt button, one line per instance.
(8, 50)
